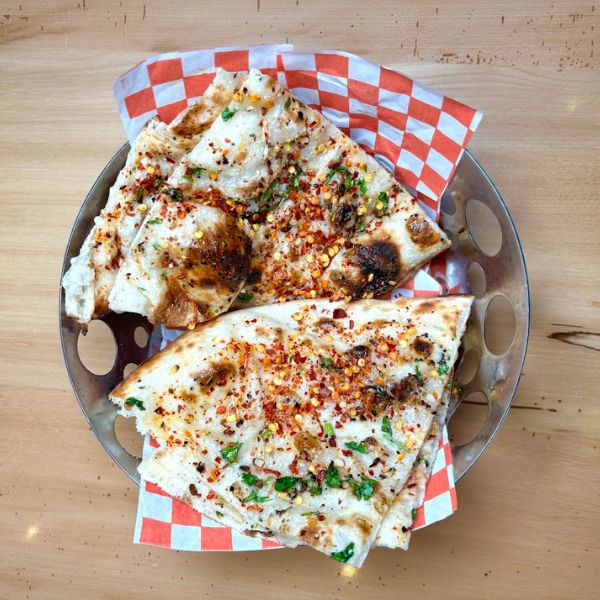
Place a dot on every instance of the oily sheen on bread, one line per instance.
(299, 421)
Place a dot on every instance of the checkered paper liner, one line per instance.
(413, 131)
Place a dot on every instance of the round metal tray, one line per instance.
(497, 376)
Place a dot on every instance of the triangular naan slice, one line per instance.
(187, 264)
(327, 219)
(151, 160)
(302, 419)
(396, 527)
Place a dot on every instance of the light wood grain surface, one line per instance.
(529, 515)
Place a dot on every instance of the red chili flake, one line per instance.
(221, 410)
(210, 495)
(351, 324)
(339, 313)
(271, 471)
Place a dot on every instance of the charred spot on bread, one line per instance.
(422, 346)
(216, 374)
(371, 268)
(421, 232)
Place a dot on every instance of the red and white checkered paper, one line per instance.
(413, 131)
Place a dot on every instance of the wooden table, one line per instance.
(529, 512)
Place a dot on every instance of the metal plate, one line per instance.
(497, 376)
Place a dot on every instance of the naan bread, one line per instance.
(151, 160)
(187, 264)
(328, 219)
(395, 530)
(300, 421)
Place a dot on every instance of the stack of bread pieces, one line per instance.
(311, 414)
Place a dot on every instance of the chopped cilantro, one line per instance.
(131, 401)
(245, 297)
(413, 513)
(443, 369)
(344, 555)
(388, 434)
(227, 114)
(287, 104)
(154, 221)
(326, 362)
(230, 453)
(254, 497)
(332, 477)
(265, 434)
(284, 483)
(418, 374)
(188, 178)
(361, 226)
(157, 246)
(358, 447)
(296, 180)
(249, 479)
(157, 182)
(332, 173)
(163, 274)
(363, 490)
(310, 513)
(198, 171)
(139, 194)
(219, 514)
(328, 427)
(362, 187)
(383, 198)
(316, 490)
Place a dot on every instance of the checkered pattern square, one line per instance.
(413, 131)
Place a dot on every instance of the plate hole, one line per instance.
(97, 349)
(448, 205)
(468, 367)
(442, 281)
(128, 436)
(129, 367)
(140, 335)
(500, 325)
(469, 419)
(483, 227)
(476, 277)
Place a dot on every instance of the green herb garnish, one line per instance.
(188, 178)
(245, 297)
(363, 490)
(254, 497)
(316, 490)
(328, 428)
(344, 555)
(358, 447)
(157, 182)
(418, 374)
(332, 477)
(383, 198)
(198, 171)
(413, 513)
(361, 227)
(362, 187)
(287, 104)
(326, 362)
(249, 479)
(284, 483)
(131, 401)
(443, 369)
(331, 174)
(388, 434)
(157, 246)
(230, 453)
(139, 194)
(219, 514)
(265, 434)
(154, 221)
(227, 114)
(310, 513)
(163, 274)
